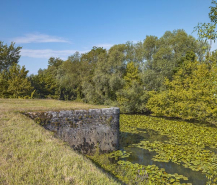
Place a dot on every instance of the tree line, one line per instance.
(174, 75)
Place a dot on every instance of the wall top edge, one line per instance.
(112, 110)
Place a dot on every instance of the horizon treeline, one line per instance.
(174, 75)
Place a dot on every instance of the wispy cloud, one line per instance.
(106, 46)
(39, 38)
(47, 53)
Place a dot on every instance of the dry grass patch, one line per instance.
(42, 105)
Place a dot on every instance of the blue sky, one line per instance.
(46, 28)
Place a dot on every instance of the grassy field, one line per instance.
(29, 154)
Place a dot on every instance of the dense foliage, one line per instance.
(14, 83)
(113, 76)
(191, 94)
(8, 55)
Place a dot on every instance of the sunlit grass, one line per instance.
(42, 104)
(29, 154)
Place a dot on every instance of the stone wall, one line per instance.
(84, 130)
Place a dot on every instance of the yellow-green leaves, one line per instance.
(190, 95)
(208, 30)
(14, 82)
(132, 96)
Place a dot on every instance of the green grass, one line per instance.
(29, 154)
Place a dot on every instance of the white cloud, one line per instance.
(38, 38)
(47, 53)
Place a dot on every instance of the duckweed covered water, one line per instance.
(144, 157)
(158, 151)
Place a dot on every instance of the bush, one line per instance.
(190, 95)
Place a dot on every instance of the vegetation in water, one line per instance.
(131, 173)
(190, 145)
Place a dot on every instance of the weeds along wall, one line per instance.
(84, 130)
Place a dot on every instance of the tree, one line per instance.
(132, 74)
(107, 77)
(190, 56)
(163, 55)
(14, 82)
(208, 30)
(45, 83)
(150, 47)
(130, 97)
(70, 76)
(68, 79)
(89, 62)
(109, 72)
(97, 89)
(190, 95)
(8, 55)
(56, 62)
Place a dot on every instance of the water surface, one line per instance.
(144, 157)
